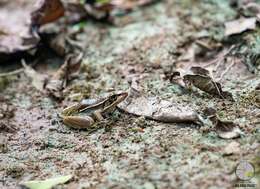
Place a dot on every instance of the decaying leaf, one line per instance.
(227, 129)
(17, 24)
(38, 80)
(158, 109)
(202, 80)
(48, 183)
(200, 71)
(239, 26)
(15, 31)
(47, 11)
(60, 79)
(250, 8)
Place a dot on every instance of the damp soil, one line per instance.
(129, 151)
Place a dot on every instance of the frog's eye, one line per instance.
(113, 98)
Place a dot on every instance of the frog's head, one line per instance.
(113, 100)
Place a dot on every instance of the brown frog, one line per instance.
(88, 112)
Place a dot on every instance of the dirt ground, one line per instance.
(130, 151)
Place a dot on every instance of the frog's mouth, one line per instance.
(122, 96)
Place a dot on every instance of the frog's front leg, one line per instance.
(78, 122)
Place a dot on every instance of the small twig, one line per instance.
(226, 70)
(18, 71)
(215, 84)
(225, 54)
(212, 62)
(15, 72)
(24, 63)
(219, 58)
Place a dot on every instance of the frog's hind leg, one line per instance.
(98, 116)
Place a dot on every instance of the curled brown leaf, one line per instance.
(203, 81)
(47, 11)
(63, 75)
(158, 109)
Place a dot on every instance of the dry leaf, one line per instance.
(17, 24)
(48, 183)
(60, 79)
(200, 70)
(204, 82)
(47, 11)
(157, 109)
(250, 8)
(227, 129)
(224, 129)
(15, 30)
(239, 26)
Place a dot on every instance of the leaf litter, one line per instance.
(55, 85)
(213, 63)
(46, 12)
(20, 33)
(59, 80)
(227, 129)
